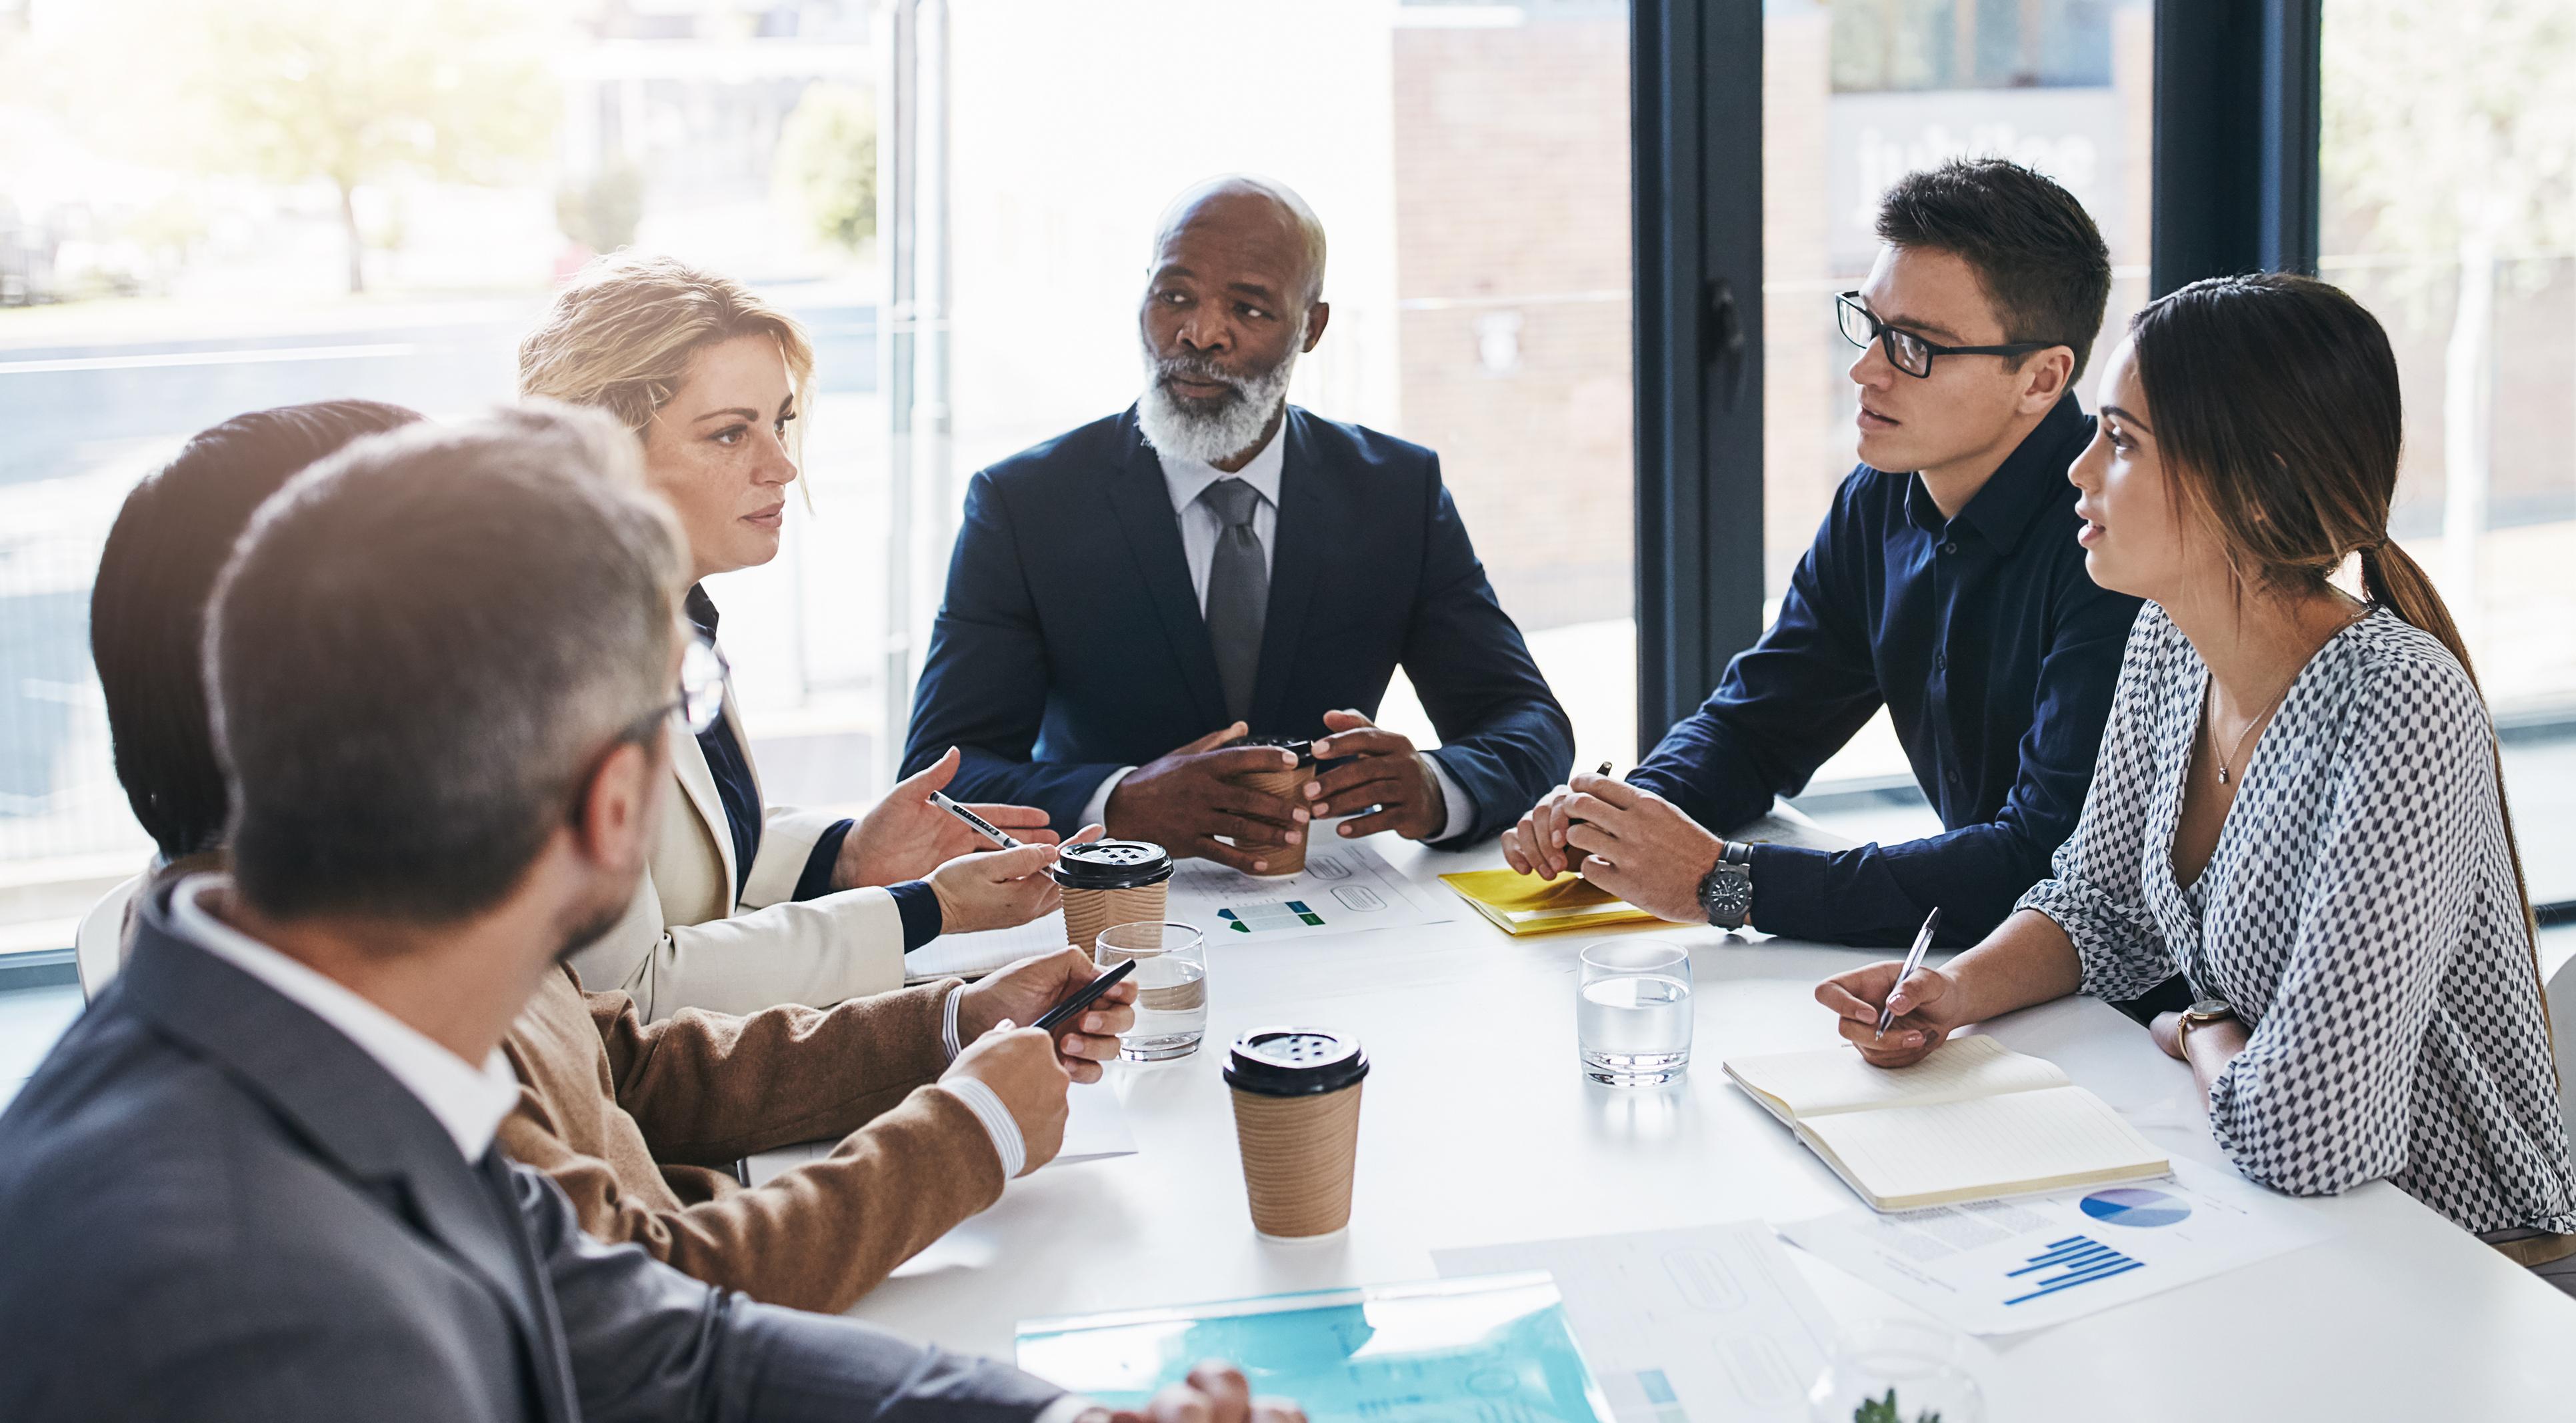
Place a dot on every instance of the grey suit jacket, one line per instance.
(215, 1206)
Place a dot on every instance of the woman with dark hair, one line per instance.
(147, 619)
(2298, 805)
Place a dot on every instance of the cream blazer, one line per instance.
(687, 942)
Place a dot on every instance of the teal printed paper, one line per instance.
(1490, 1350)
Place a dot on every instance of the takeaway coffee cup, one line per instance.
(1289, 784)
(1297, 1120)
(1111, 882)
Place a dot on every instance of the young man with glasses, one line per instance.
(1945, 585)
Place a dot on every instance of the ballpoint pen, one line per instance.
(1913, 961)
(974, 822)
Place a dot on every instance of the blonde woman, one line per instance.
(746, 905)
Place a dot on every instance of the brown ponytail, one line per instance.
(2276, 405)
(2389, 576)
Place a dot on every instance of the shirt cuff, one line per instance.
(817, 879)
(987, 1106)
(918, 903)
(1457, 808)
(948, 1023)
(1095, 811)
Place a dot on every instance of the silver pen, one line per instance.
(1913, 961)
(974, 822)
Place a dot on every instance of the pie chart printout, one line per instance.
(2136, 1206)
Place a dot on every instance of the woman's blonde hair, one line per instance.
(621, 334)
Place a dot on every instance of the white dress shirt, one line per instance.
(1186, 479)
(469, 1102)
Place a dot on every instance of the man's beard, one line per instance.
(593, 926)
(1209, 431)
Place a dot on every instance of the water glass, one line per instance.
(1633, 1011)
(1171, 987)
(1897, 1371)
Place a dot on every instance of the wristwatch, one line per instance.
(1726, 891)
(2207, 1010)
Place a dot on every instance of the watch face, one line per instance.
(2208, 1008)
(1727, 895)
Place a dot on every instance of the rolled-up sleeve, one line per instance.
(2321, 1099)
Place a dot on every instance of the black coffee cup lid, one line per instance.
(1304, 747)
(1294, 1062)
(1112, 864)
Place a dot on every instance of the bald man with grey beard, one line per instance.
(1131, 602)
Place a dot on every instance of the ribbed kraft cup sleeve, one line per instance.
(1299, 1154)
(1088, 911)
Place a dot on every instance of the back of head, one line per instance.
(620, 334)
(422, 646)
(148, 607)
(2034, 248)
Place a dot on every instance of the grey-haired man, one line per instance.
(256, 1181)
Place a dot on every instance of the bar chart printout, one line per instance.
(2068, 1263)
(2006, 1267)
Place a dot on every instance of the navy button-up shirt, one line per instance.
(1995, 656)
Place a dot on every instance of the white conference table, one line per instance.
(1478, 1127)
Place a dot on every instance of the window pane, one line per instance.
(1856, 94)
(2449, 214)
(144, 297)
(1470, 165)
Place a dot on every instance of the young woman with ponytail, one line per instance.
(2298, 805)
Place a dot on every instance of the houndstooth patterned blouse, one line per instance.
(2359, 913)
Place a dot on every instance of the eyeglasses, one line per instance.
(1905, 350)
(702, 691)
(702, 685)
(701, 701)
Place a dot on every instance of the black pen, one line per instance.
(974, 822)
(1084, 996)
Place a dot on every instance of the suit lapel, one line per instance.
(689, 763)
(341, 1104)
(1144, 507)
(1304, 521)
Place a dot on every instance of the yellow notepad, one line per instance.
(1975, 1121)
(1526, 904)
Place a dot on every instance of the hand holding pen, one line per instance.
(1920, 1004)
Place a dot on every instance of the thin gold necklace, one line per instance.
(2209, 704)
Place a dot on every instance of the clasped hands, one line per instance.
(1185, 800)
(1631, 842)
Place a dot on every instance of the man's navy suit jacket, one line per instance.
(1070, 642)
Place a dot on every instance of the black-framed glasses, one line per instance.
(1905, 350)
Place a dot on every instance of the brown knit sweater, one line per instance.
(639, 1124)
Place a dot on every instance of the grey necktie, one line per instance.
(1238, 592)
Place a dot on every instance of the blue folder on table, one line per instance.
(1490, 1349)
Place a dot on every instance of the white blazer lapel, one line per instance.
(689, 763)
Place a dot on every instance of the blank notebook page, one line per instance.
(1832, 1080)
(2025, 1140)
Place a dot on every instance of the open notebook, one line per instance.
(1974, 1121)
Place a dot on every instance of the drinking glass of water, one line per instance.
(1633, 1011)
(1171, 987)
